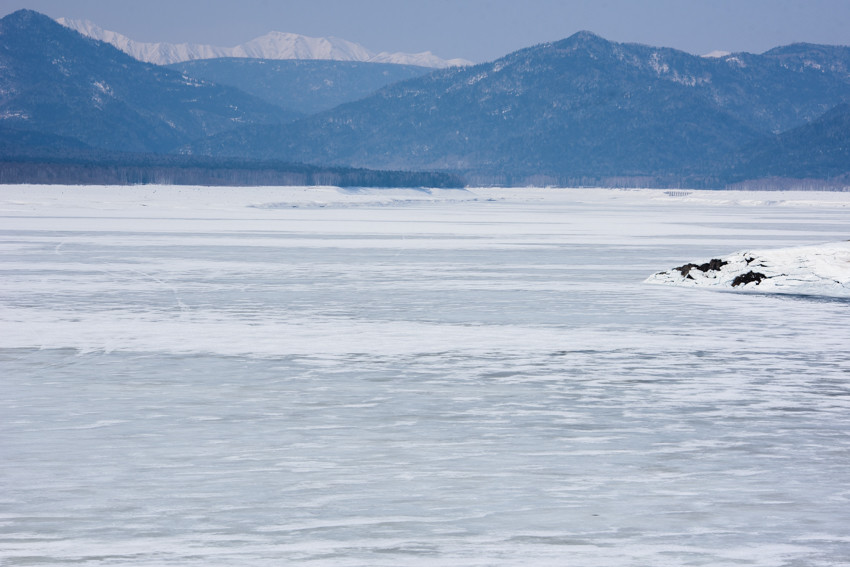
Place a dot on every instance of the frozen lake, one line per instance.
(261, 376)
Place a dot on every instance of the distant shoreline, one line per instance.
(180, 170)
(162, 169)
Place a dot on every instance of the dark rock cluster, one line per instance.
(749, 277)
(712, 265)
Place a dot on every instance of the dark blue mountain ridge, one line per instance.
(582, 107)
(60, 83)
(819, 149)
(824, 58)
(304, 86)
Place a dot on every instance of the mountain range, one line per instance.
(303, 86)
(817, 150)
(583, 110)
(273, 45)
(60, 84)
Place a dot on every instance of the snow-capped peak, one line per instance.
(717, 54)
(273, 45)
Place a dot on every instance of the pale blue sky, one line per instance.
(479, 30)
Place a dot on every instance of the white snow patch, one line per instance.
(13, 114)
(103, 87)
(476, 78)
(657, 65)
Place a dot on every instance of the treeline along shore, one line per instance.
(192, 170)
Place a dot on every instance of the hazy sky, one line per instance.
(479, 30)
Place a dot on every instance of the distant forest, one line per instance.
(160, 169)
(137, 169)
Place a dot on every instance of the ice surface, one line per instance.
(270, 376)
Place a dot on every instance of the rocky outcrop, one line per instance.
(808, 270)
(749, 277)
(712, 265)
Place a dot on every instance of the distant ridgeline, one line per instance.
(577, 112)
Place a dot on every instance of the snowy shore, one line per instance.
(822, 269)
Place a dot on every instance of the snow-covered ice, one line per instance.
(270, 376)
(822, 269)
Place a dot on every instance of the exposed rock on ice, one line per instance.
(822, 269)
